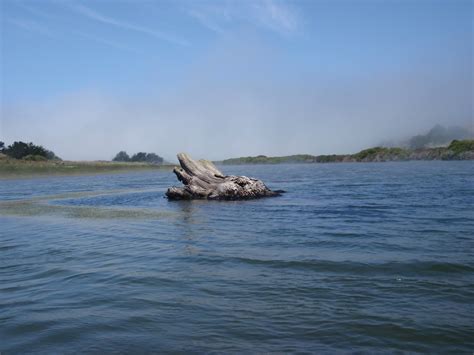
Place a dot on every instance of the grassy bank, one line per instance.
(457, 150)
(12, 168)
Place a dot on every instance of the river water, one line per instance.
(354, 257)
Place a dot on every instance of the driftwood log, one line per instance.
(202, 180)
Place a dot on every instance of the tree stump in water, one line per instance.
(202, 180)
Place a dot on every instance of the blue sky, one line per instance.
(230, 78)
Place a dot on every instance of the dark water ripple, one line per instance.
(354, 258)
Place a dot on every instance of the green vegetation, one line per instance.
(333, 158)
(121, 156)
(25, 159)
(143, 157)
(32, 157)
(40, 206)
(457, 150)
(459, 147)
(381, 153)
(22, 150)
(10, 168)
(262, 159)
(42, 162)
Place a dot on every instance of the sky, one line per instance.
(221, 79)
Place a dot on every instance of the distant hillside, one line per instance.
(456, 150)
(439, 136)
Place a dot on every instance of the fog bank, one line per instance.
(240, 99)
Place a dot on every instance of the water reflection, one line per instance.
(191, 223)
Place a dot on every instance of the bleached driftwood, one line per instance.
(202, 180)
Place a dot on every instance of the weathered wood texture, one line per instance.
(202, 180)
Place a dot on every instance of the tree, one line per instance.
(121, 156)
(2, 146)
(140, 156)
(154, 158)
(19, 150)
(51, 156)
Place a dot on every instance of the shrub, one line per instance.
(381, 151)
(121, 156)
(461, 146)
(154, 158)
(19, 150)
(143, 157)
(138, 157)
(32, 157)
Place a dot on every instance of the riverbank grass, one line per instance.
(10, 168)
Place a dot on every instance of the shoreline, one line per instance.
(11, 169)
(456, 150)
(40, 173)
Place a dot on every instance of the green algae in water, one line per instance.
(42, 206)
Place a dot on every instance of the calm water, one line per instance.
(354, 257)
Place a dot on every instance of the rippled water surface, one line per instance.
(354, 257)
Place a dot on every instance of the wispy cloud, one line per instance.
(208, 18)
(32, 26)
(276, 15)
(273, 15)
(94, 15)
(33, 10)
(107, 42)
